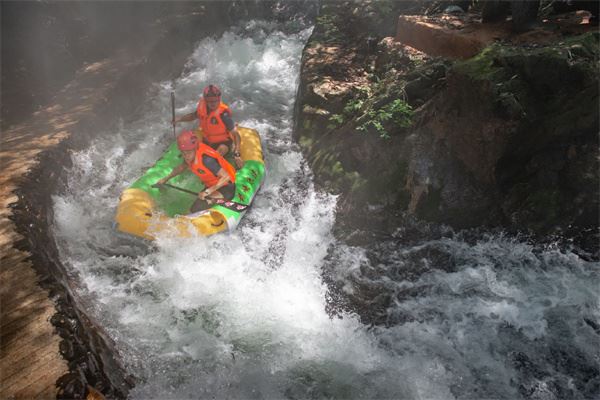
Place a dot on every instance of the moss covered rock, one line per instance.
(507, 138)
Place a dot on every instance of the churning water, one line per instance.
(243, 314)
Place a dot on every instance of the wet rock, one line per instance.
(71, 386)
(507, 138)
(453, 9)
(66, 349)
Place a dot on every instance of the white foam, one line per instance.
(242, 314)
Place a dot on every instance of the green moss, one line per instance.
(336, 121)
(481, 67)
(334, 176)
(325, 164)
(332, 173)
(356, 182)
(337, 170)
(491, 63)
(520, 76)
(306, 142)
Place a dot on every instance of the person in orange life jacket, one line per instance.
(217, 174)
(216, 122)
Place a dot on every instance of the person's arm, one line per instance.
(223, 180)
(235, 135)
(186, 117)
(176, 171)
(237, 141)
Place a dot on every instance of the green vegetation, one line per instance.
(330, 31)
(353, 106)
(518, 76)
(337, 119)
(350, 110)
(367, 116)
(544, 94)
(483, 66)
(398, 111)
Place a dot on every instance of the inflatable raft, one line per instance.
(145, 210)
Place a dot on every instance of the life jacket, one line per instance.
(211, 124)
(205, 174)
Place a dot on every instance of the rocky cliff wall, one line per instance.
(507, 138)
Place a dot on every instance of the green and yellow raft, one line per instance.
(147, 211)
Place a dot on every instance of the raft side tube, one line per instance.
(140, 211)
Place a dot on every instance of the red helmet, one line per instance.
(187, 140)
(211, 91)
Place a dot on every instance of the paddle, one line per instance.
(229, 204)
(158, 186)
(173, 112)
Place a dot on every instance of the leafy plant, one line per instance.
(350, 110)
(361, 108)
(363, 91)
(353, 106)
(402, 113)
(337, 120)
(398, 111)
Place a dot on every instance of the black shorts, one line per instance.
(227, 143)
(228, 191)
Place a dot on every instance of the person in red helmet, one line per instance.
(216, 123)
(217, 174)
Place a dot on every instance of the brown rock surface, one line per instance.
(29, 349)
(463, 36)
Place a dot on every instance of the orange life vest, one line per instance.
(206, 174)
(211, 124)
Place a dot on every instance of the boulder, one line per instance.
(504, 137)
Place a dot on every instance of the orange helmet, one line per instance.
(211, 91)
(187, 140)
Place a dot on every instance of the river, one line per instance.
(248, 314)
